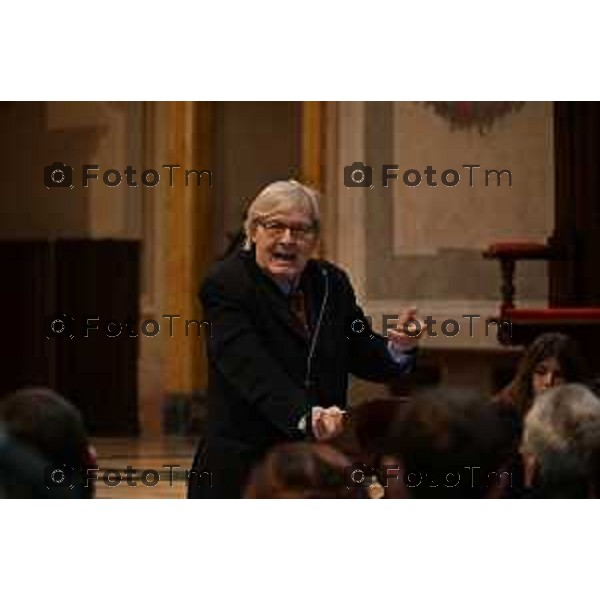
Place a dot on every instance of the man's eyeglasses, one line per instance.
(278, 228)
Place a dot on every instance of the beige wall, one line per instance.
(422, 246)
(427, 219)
(255, 143)
(27, 208)
(36, 134)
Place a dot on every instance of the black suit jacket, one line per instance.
(258, 354)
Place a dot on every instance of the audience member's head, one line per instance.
(552, 359)
(49, 425)
(448, 444)
(591, 446)
(560, 441)
(22, 471)
(302, 470)
(366, 428)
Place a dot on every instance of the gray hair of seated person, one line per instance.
(561, 431)
(281, 196)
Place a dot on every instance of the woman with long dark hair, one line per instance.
(550, 360)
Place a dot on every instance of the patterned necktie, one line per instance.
(298, 308)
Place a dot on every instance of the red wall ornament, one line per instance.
(480, 115)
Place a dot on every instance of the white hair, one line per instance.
(281, 196)
(560, 429)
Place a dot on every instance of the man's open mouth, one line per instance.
(287, 257)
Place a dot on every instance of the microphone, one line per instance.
(315, 335)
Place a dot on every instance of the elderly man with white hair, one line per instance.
(561, 439)
(286, 333)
